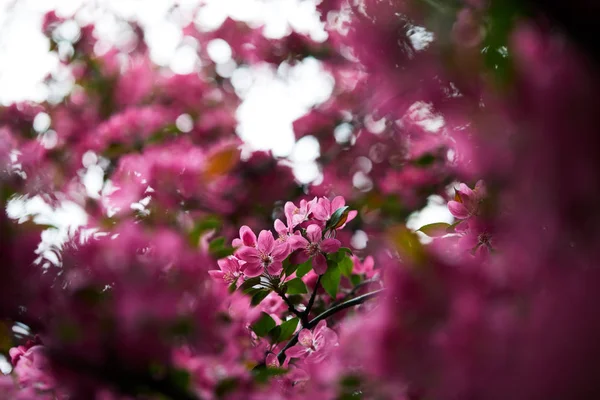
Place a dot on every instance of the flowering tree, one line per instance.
(206, 273)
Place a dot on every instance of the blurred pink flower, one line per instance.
(314, 346)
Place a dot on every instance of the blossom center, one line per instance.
(266, 259)
(484, 239)
(313, 248)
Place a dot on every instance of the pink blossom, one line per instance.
(466, 201)
(314, 247)
(230, 270)
(324, 209)
(314, 346)
(247, 238)
(33, 367)
(296, 215)
(364, 267)
(268, 254)
(287, 235)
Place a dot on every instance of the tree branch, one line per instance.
(311, 301)
(328, 313)
(291, 306)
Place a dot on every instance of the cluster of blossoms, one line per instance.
(306, 248)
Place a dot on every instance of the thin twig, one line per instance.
(291, 306)
(328, 313)
(311, 301)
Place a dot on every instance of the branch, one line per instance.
(291, 306)
(310, 302)
(328, 313)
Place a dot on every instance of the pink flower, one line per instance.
(314, 247)
(476, 239)
(314, 346)
(466, 201)
(273, 362)
(365, 267)
(231, 270)
(33, 368)
(267, 254)
(247, 238)
(287, 235)
(324, 209)
(296, 215)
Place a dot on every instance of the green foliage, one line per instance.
(259, 296)
(346, 266)
(303, 269)
(284, 331)
(331, 278)
(435, 230)
(296, 286)
(218, 249)
(264, 324)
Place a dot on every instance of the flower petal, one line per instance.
(253, 269)
(297, 242)
(248, 254)
(280, 227)
(275, 268)
(314, 233)
(280, 251)
(458, 209)
(272, 361)
(216, 275)
(299, 257)
(330, 245)
(319, 264)
(297, 351)
(289, 210)
(305, 338)
(247, 237)
(320, 213)
(266, 241)
(337, 202)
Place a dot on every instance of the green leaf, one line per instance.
(207, 224)
(355, 279)
(259, 296)
(331, 280)
(264, 324)
(345, 250)
(249, 284)
(450, 229)
(216, 244)
(303, 269)
(263, 373)
(346, 266)
(223, 252)
(296, 286)
(435, 230)
(232, 287)
(287, 329)
(338, 218)
(288, 267)
(218, 248)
